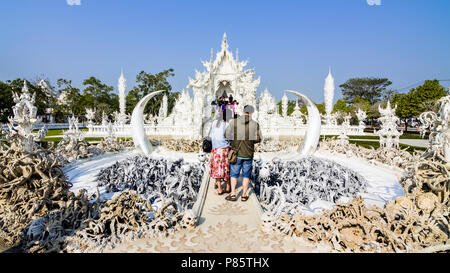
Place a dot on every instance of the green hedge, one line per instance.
(407, 136)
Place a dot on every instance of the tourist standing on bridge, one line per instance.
(244, 133)
(218, 163)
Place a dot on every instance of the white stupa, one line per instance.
(122, 87)
(328, 95)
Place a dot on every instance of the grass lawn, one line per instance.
(58, 132)
(58, 139)
(376, 145)
(406, 136)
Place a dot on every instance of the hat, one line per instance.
(249, 109)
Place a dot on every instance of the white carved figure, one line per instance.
(343, 139)
(164, 108)
(90, 115)
(25, 116)
(361, 115)
(104, 119)
(389, 133)
(73, 132)
(284, 104)
(266, 108)
(440, 134)
(297, 117)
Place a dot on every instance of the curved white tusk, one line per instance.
(312, 135)
(137, 124)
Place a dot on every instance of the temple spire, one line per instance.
(224, 42)
(122, 86)
(329, 92)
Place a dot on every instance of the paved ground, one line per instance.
(224, 227)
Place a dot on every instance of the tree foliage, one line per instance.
(418, 99)
(290, 107)
(341, 106)
(370, 89)
(147, 83)
(99, 96)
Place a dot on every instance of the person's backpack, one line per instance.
(232, 155)
(207, 145)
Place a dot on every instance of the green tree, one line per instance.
(147, 83)
(73, 97)
(341, 106)
(290, 108)
(6, 102)
(418, 99)
(99, 96)
(371, 89)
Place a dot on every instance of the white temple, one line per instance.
(190, 117)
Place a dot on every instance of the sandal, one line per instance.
(244, 198)
(231, 197)
(220, 193)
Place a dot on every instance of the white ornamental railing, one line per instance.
(191, 132)
(150, 130)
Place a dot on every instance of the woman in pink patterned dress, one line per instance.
(218, 163)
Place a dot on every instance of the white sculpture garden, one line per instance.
(121, 195)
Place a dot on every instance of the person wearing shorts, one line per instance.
(247, 135)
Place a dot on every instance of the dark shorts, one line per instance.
(245, 165)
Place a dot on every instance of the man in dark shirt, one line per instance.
(247, 135)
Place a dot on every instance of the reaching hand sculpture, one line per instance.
(312, 135)
(137, 124)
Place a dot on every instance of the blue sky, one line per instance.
(290, 44)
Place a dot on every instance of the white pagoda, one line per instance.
(328, 97)
(122, 87)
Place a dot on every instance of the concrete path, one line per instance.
(223, 227)
(216, 209)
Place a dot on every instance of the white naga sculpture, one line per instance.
(25, 116)
(137, 124)
(389, 133)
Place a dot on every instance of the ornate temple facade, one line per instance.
(225, 74)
